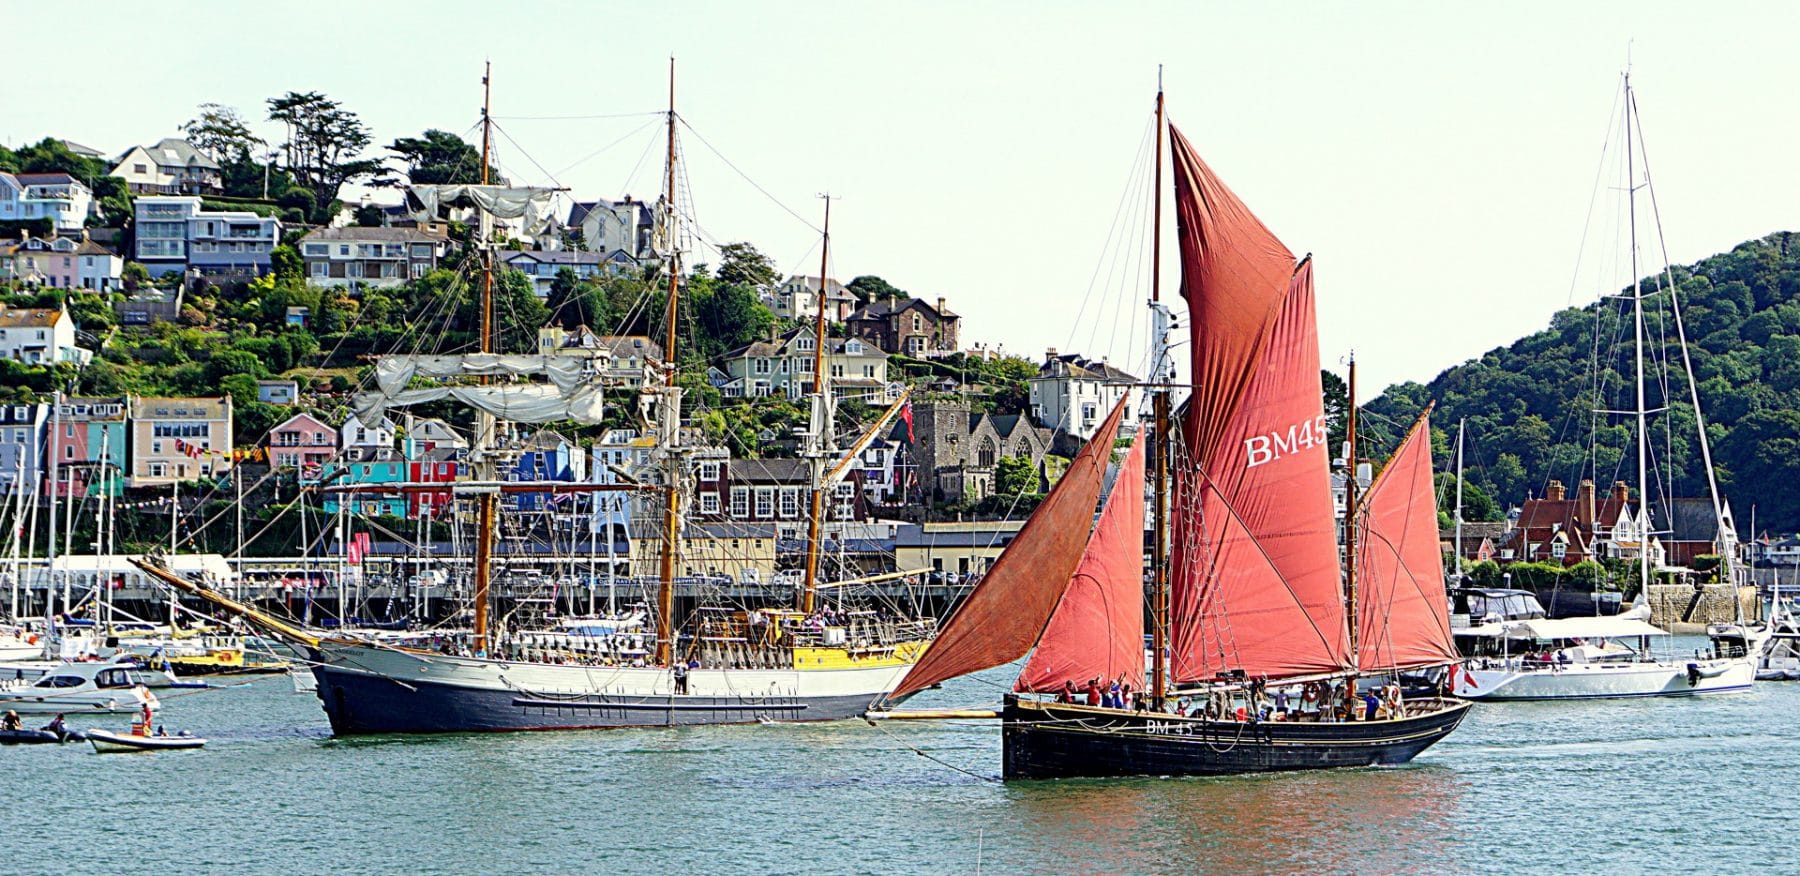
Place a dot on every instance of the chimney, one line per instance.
(1554, 492)
(1584, 505)
(1621, 492)
(940, 307)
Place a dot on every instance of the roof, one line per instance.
(1685, 519)
(552, 256)
(321, 425)
(442, 454)
(28, 317)
(796, 472)
(578, 213)
(996, 536)
(176, 152)
(833, 288)
(631, 345)
(83, 151)
(547, 439)
(89, 247)
(833, 346)
(889, 307)
(206, 408)
(43, 179)
(1077, 366)
(395, 235)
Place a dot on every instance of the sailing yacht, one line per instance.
(1584, 658)
(1246, 553)
(755, 664)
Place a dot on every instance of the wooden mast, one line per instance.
(822, 426)
(665, 591)
(1159, 448)
(1350, 519)
(485, 504)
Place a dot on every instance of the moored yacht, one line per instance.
(107, 688)
(1588, 658)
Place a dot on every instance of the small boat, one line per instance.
(28, 737)
(1586, 658)
(108, 742)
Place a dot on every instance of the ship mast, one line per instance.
(1159, 437)
(671, 410)
(1637, 319)
(820, 439)
(1350, 518)
(486, 502)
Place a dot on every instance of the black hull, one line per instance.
(1049, 741)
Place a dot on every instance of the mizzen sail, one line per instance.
(1097, 631)
(1404, 615)
(1256, 579)
(1005, 614)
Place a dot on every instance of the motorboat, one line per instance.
(1588, 658)
(102, 688)
(1773, 645)
(20, 644)
(108, 742)
(153, 677)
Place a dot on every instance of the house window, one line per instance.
(790, 502)
(918, 323)
(318, 269)
(765, 502)
(803, 344)
(803, 366)
(762, 366)
(709, 471)
(709, 503)
(1559, 549)
(915, 344)
(740, 502)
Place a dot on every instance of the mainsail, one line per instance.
(1256, 581)
(1097, 630)
(1005, 614)
(1404, 617)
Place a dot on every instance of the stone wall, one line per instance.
(1675, 608)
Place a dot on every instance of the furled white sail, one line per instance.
(503, 202)
(571, 393)
(394, 373)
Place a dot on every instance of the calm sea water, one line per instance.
(1669, 786)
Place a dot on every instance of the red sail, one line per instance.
(1256, 579)
(1404, 615)
(1097, 630)
(1004, 615)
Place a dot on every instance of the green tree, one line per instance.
(324, 141)
(440, 157)
(871, 288)
(731, 315)
(741, 263)
(1014, 476)
(220, 133)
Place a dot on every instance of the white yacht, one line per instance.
(90, 688)
(1588, 658)
(17, 643)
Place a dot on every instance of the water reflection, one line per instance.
(1384, 820)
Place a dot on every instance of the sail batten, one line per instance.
(1255, 578)
(1403, 616)
(1005, 614)
(1097, 630)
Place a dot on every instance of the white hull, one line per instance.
(1512, 680)
(102, 702)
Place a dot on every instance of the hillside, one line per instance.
(1529, 406)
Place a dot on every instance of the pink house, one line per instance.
(302, 442)
(49, 261)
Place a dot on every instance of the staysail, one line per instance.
(1404, 615)
(1256, 580)
(1097, 630)
(1004, 615)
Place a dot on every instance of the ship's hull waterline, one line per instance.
(1053, 741)
(370, 690)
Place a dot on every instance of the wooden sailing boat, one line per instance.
(748, 666)
(1245, 550)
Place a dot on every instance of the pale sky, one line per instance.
(1437, 159)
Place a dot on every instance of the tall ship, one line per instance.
(722, 664)
(1269, 650)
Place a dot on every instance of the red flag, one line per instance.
(906, 414)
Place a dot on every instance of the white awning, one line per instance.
(1615, 627)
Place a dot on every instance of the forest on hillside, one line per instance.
(1535, 410)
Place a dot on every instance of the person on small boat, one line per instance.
(10, 721)
(1371, 706)
(56, 726)
(1067, 694)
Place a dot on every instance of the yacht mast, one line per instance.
(1637, 319)
(1459, 515)
(1159, 436)
(671, 410)
(820, 439)
(485, 469)
(1350, 515)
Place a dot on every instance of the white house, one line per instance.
(375, 257)
(364, 442)
(40, 336)
(170, 167)
(1073, 395)
(613, 227)
(58, 197)
(784, 366)
(798, 298)
(100, 268)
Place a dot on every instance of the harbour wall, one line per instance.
(1684, 608)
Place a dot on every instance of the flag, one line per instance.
(906, 414)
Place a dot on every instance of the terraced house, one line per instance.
(175, 234)
(162, 427)
(88, 438)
